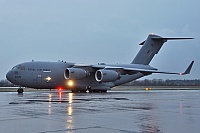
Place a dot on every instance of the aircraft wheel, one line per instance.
(97, 91)
(103, 91)
(82, 91)
(94, 91)
(90, 91)
(74, 91)
(20, 90)
(79, 91)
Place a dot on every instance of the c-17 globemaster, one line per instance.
(93, 78)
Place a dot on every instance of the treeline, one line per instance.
(167, 82)
(145, 82)
(6, 83)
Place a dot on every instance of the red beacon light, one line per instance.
(60, 88)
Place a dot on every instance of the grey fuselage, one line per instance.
(35, 75)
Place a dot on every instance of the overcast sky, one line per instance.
(92, 31)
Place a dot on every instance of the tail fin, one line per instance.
(151, 46)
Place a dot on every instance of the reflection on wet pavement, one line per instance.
(123, 112)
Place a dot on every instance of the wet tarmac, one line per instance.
(163, 111)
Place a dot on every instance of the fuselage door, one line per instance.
(39, 80)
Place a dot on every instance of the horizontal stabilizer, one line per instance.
(142, 43)
(167, 38)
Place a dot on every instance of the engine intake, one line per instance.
(106, 75)
(75, 73)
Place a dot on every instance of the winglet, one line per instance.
(187, 71)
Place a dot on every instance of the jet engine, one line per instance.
(106, 75)
(75, 73)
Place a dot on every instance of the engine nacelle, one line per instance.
(75, 73)
(106, 75)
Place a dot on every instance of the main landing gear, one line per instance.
(97, 91)
(90, 91)
(20, 90)
(78, 91)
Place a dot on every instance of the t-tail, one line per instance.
(151, 46)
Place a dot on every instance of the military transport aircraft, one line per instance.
(93, 78)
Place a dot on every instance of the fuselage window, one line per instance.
(46, 70)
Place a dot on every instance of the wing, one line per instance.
(133, 70)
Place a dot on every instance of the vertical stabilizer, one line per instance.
(149, 49)
(151, 46)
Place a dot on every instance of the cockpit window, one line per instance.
(21, 68)
(14, 67)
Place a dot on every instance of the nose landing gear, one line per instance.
(20, 90)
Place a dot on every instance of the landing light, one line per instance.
(147, 89)
(70, 83)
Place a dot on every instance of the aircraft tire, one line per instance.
(82, 91)
(97, 91)
(90, 91)
(103, 91)
(79, 91)
(74, 91)
(20, 90)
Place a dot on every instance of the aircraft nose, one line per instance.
(9, 76)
